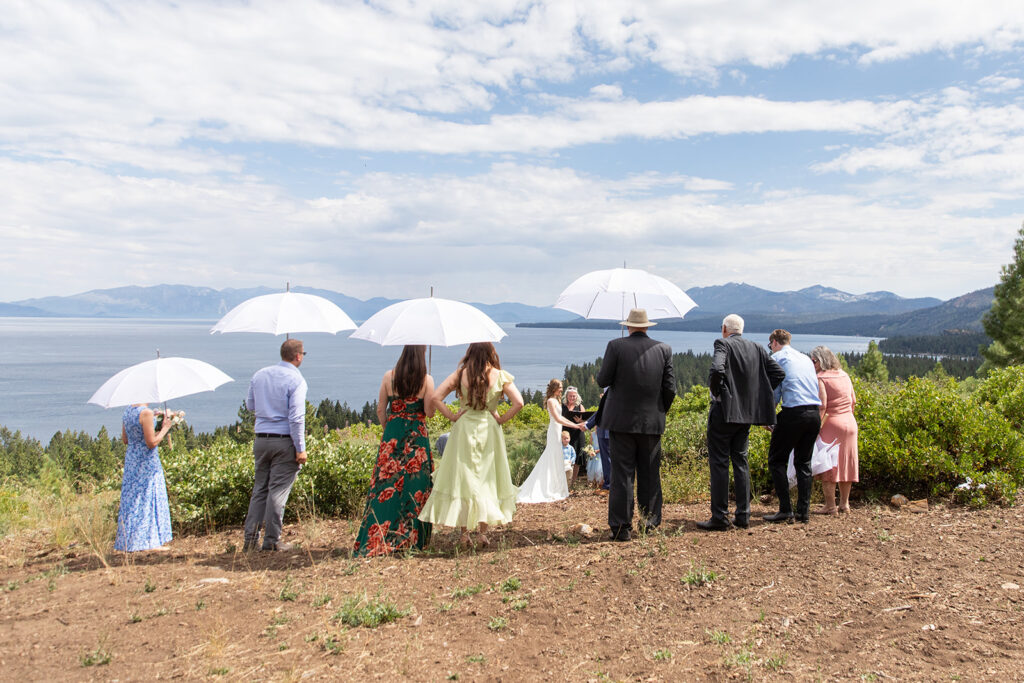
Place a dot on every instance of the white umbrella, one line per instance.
(159, 380)
(285, 313)
(429, 321)
(610, 294)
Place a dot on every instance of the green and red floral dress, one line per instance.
(400, 485)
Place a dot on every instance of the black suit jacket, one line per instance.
(742, 380)
(639, 371)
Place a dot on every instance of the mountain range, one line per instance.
(812, 310)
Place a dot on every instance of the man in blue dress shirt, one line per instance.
(796, 428)
(277, 394)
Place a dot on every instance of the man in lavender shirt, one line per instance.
(277, 394)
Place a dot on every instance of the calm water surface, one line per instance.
(49, 367)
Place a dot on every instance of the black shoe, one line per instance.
(786, 517)
(620, 535)
(714, 525)
(741, 522)
(250, 545)
(803, 519)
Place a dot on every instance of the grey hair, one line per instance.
(826, 359)
(733, 323)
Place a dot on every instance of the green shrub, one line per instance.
(210, 487)
(1003, 390)
(923, 438)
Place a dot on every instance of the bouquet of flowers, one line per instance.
(588, 451)
(175, 416)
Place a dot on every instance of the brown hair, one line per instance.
(410, 370)
(479, 358)
(290, 349)
(781, 337)
(553, 387)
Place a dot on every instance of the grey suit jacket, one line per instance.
(742, 379)
(639, 371)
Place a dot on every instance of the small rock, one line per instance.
(899, 500)
(1010, 587)
(419, 620)
(928, 627)
(583, 529)
(918, 505)
(214, 579)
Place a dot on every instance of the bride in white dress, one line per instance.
(547, 483)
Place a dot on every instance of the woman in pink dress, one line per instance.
(837, 424)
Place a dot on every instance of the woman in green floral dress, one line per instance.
(401, 479)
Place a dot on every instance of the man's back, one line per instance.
(639, 370)
(742, 379)
(277, 395)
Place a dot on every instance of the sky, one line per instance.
(496, 151)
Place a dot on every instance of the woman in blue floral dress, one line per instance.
(144, 519)
(401, 478)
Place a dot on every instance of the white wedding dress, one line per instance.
(546, 483)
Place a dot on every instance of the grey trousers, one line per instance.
(276, 470)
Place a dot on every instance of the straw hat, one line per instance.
(637, 318)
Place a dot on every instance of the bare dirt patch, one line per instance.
(876, 594)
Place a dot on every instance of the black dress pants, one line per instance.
(796, 430)
(728, 442)
(634, 457)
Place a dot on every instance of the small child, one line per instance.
(595, 475)
(568, 457)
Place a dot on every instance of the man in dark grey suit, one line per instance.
(639, 370)
(742, 380)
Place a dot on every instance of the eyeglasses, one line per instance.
(303, 353)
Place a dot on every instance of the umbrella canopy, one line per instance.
(431, 322)
(159, 380)
(285, 313)
(609, 294)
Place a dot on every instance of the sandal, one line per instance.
(465, 541)
(483, 540)
(826, 511)
(845, 510)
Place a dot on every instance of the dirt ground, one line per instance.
(876, 594)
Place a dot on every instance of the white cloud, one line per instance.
(512, 233)
(131, 134)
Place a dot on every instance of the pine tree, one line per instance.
(872, 367)
(1005, 320)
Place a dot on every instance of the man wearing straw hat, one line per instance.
(277, 394)
(639, 370)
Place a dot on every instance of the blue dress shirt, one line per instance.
(800, 388)
(277, 394)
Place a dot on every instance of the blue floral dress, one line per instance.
(144, 520)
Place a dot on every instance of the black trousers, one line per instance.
(728, 442)
(796, 430)
(634, 457)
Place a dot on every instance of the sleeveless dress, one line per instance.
(841, 425)
(400, 483)
(473, 483)
(144, 517)
(546, 483)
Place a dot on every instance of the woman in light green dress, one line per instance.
(473, 485)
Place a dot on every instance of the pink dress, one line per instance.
(839, 400)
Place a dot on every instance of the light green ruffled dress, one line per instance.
(473, 483)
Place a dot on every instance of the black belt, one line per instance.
(274, 436)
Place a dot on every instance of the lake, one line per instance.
(49, 367)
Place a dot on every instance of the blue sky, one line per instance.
(497, 152)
